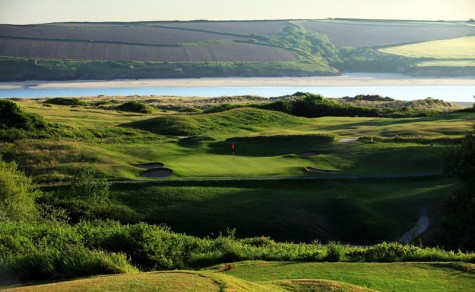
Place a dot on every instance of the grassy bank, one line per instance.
(283, 276)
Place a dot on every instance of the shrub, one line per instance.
(65, 101)
(13, 116)
(335, 252)
(17, 194)
(87, 184)
(74, 261)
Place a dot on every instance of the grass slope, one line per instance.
(379, 276)
(356, 211)
(453, 49)
(282, 276)
(266, 143)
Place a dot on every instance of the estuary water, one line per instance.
(395, 86)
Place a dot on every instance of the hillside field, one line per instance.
(451, 49)
(361, 33)
(70, 51)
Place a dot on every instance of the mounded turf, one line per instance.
(284, 276)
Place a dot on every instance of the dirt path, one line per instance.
(420, 227)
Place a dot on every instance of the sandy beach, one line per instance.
(334, 81)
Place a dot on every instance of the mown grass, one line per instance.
(365, 211)
(458, 48)
(115, 149)
(284, 276)
(382, 276)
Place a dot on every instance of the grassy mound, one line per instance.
(282, 276)
(13, 116)
(233, 121)
(65, 101)
(15, 123)
(135, 107)
(271, 145)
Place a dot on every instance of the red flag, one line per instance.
(232, 146)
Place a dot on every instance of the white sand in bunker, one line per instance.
(157, 172)
(150, 165)
(154, 169)
(308, 153)
(319, 171)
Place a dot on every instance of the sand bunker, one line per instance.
(308, 153)
(157, 172)
(319, 171)
(154, 169)
(352, 140)
(150, 165)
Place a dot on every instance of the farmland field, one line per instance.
(112, 33)
(219, 52)
(233, 27)
(368, 34)
(458, 48)
(193, 49)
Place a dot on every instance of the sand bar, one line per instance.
(333, 81)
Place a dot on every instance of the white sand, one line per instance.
(334, 81)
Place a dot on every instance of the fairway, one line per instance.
(458, 48)
(267, 143)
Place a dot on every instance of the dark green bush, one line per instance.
(335, 252)
(65, 101)
(135, 107)
(51, 250)
(13, 116)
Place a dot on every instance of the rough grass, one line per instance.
(210, 155)
(355, 211)
(458, 48)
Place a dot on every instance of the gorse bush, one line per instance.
(51, 250)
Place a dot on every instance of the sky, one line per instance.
(44, 11)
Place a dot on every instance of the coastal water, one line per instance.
(460, 90)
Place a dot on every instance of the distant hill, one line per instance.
(68, 51)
